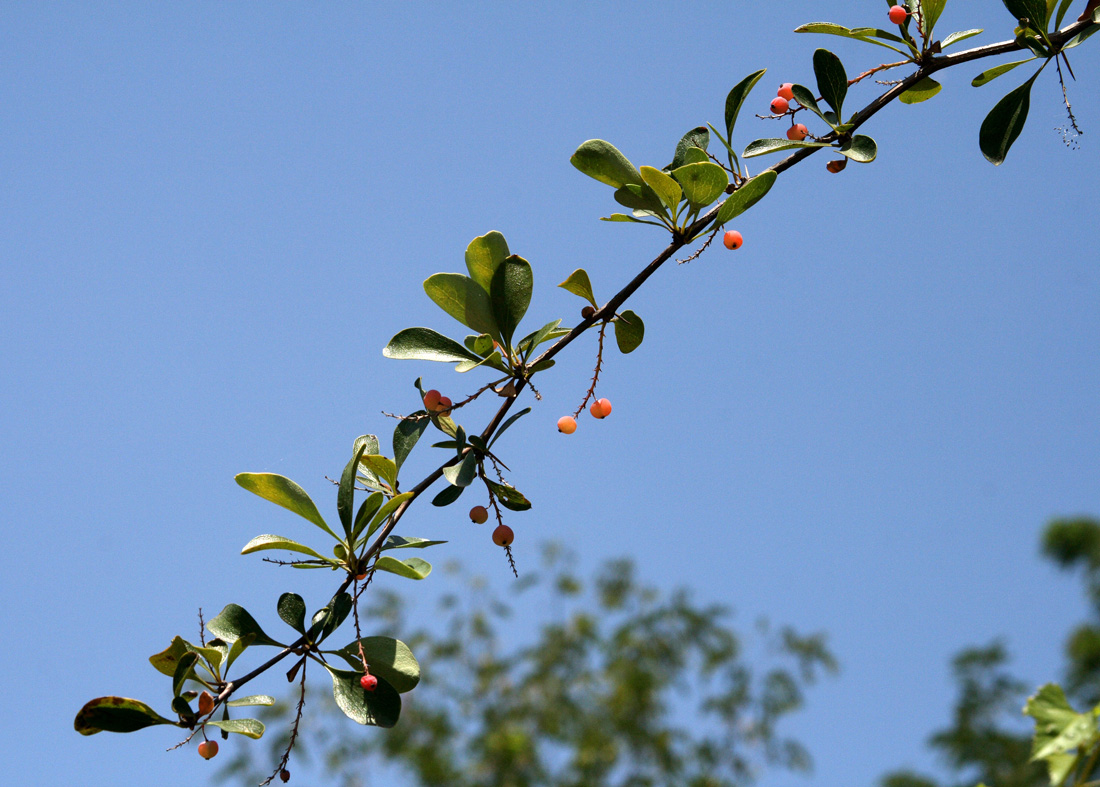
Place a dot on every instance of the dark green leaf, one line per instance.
(1004, 123)
(411, 568)
(424, 344)
(406, 434)
(462, 473)
(292, 610)
(702, 183)
(861, 149)
(483, 255)
(698, 139)
(509, 496)
(579, 284)
(639, 197)
(383, 513)
(327, 619)
(367, 510)
(1062, 8)
(806, 99)
(379, 708)
(251, 728)
(401, 542)
(388, 658)
(508, 423)
(629, 331)
(921, 91)
(116, 714)
(511, 295)
(234, 622)
(448, 495)
(1085, 34)
(832, 81)
(751, 192)
(184, 670)
(633, 220)
(462, 298)
(761, 147)
(284, 492)
(865, 34)
(345, 496)
(602, 161)
(1035, 11)
(736, 99)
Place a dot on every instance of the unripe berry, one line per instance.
(284, 774)
(898, 14)
(479, 515)
(587, 312)
(785, 91)
(601, 408)
(503, 536)
(368, 682)
(567, 424)
(208, 749)
(797, 132)
(780, 106)
(733, 239)
(206, 703)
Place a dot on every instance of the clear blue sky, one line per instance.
(214, 216)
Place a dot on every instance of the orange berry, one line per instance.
(444, 404)
(206, 703)
(733, 240)
(797, 132)
(503, 536)
(898, 14)
(785, 91)
(567, 424)
(431, 400)
(780, 106)
(368, 682)
(361, 577)
(479, 515)
(601, 408)
(208, 749)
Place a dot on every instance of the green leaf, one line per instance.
(579, 284)
(1062, 8)
(1058, 727)
(234, 622)
(629, 331)
(378, 708)
(761, 147)
(185, 669)
(736, 99)
(292, 610)
(345, 496)
(751, 192)
(624, 217)
(962, 35)
(238, 647)
(401, 542)
(921, 91)
(462, 298)
(424, 344)
(1085, 34)
(448, 495)
(990, 74)
(483, 255)
(116, 714)
(383, 513)
(511, 295)
(806, 99)
(1033, 10)
(327, 619)
(268, 541)
(603, 161)
(545, 333)
(508, 423)
(832, 81)
(639, 197)
(405, 436)
(861, 149)
(702, 183)
(388, 659)
(462, 473)
(381, 466)
(860, 34)
(284, 492)
(663, 185)
(695, 156)
(166, 661)
(930, 14)
(509, 497)
(410, 568)
(696, 139)
(367, 510)
(251, 728)
(255, 699)
(1004, 123)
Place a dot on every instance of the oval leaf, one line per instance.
(462, 473)
(378, 708)
(702, 183)
(760, 147)
(410, 568)
(483, 255)
(691, 144)
(510, 294)
(736, 98)
(251, 728)
(292, 610)
(629, 331)
(509, 496)
(639, 197)
(234, 622)
(284, 492)
(405, 437)
(922, 91)
(116, 714)
(861, 149)
(832, 81)
(462, 298)
(278, 542)
(255, 699)
(1004, 123)
(388, 658)
(663, 185)
(603, 161)
(579, 284)
(751, 192)
(424, 344)
(448, 495)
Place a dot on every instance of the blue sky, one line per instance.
(214, 216)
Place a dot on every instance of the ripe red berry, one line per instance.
(503, 536)
(567, 424)
(587, 312)
(780, 106)
(284, 774)
(206, 703)
(431, 400)
(368, 682)
(601, 408)
(208, 749)
(785, 91)
(479, 514)
(797, 132)
(898, 14)
(733, 239)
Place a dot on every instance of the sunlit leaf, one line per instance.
(284, 492)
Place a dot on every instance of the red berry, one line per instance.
(361, 577)
(368, 682)
(206, 704)
(284, 774)
(797, 132)
(503, 536)
(785, 91)
(601, 408)
(733, 239)
(432, 399)
(898, 14)
(780, 106)
(479, 514)
(208, 749)
(567, 424)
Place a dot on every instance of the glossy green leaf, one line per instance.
(751, 192)
(367, 510)
(383, 467)
(509, 497)
(629, 331)
(663, 185)
(329, 618)
(504, 426)
(736, 98)
(930, 14)
(603, 161)
(462, 473)
(695, 140)
(250, 728)
(1004, 123)
(483, 255)
(424, 344)
(267, 541)
(378, 708)
(861, 149)
(116, 714)
(253, 700)
(579, 284)
(184, 669)
(462, 298)
(761, 147)
(410, 568)
(388, 659)
(384, 512)
(832, 81)
(921, 91)
(402, 542)
(510, 294)
(405, 437)
(1033, 10)
(448, 495)
(806, 99)
(962, 35)
(702, 183)
(292, 610)
(990, 74)
(234, 622)
(864, 34)
(345, 496)
(284, 492)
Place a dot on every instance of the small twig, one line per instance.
(701, 249)
(511, 561)
(1069, 135)
(478, 393)
(202, 629)
(293, 730)
(875, 70)
(596, 373)
(290, 562)
(419, 417)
